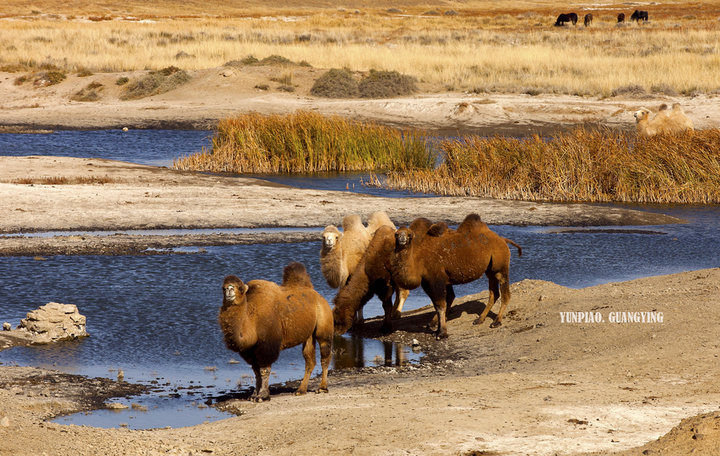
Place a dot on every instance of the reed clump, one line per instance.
(306, 142)
(582, 165)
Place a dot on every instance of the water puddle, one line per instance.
(175, 402)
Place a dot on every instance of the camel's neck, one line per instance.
(406, 273)
(333, 267)
(235, 324)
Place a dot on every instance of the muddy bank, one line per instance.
(130, 196)
(126, 244)
(534, 386)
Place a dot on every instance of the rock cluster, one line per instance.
(54, 322)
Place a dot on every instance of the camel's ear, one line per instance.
(245, 288)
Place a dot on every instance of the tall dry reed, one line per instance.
(582, 165)
(306, 142)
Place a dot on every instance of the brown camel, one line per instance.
(260, 319)
(373, 276)
(443, 257)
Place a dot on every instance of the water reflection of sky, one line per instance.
(148, 147)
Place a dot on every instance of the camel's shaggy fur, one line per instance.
(443, 257)
(378, 219)
(332, 263)
(665, 121)
(341, 252)
(259, 319)
(373, 276)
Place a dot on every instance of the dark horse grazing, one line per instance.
(639, 15)
(588, 19)
(621, 17)
(564, 18)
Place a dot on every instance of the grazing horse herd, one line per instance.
(564, 18)
(259, 318)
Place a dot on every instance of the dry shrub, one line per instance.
(336, 83)
(275, 60)
(631, 90)
(155, 83)
(386, 84)
(91, 92)
(308, 142)
(63, 180)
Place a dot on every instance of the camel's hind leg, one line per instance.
(325, 355)
(308, 351)
(502, 277)
(494, 293)
(401, 296)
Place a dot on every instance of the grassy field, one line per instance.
(485, 47)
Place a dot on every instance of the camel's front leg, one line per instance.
(263, 383)
(401, 296)
(436, 291)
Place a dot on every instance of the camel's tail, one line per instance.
(515, 244)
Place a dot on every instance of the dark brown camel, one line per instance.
(443, 257)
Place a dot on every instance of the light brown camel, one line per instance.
(443, 257)
(373, 276)
(665, 121)
(341, 252)
(260, 319)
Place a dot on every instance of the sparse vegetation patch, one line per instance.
(336, 83)
(91, 92)
(155, 83)
(386, 84)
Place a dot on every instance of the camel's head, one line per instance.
(641, 114)
(233, 289)
(403, 237)
(342, 320)
(331, 236)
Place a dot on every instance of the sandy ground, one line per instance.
(221, 92)
(534, 386)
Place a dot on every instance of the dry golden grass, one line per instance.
(486, 47)
(583, 165)
(306, 142)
